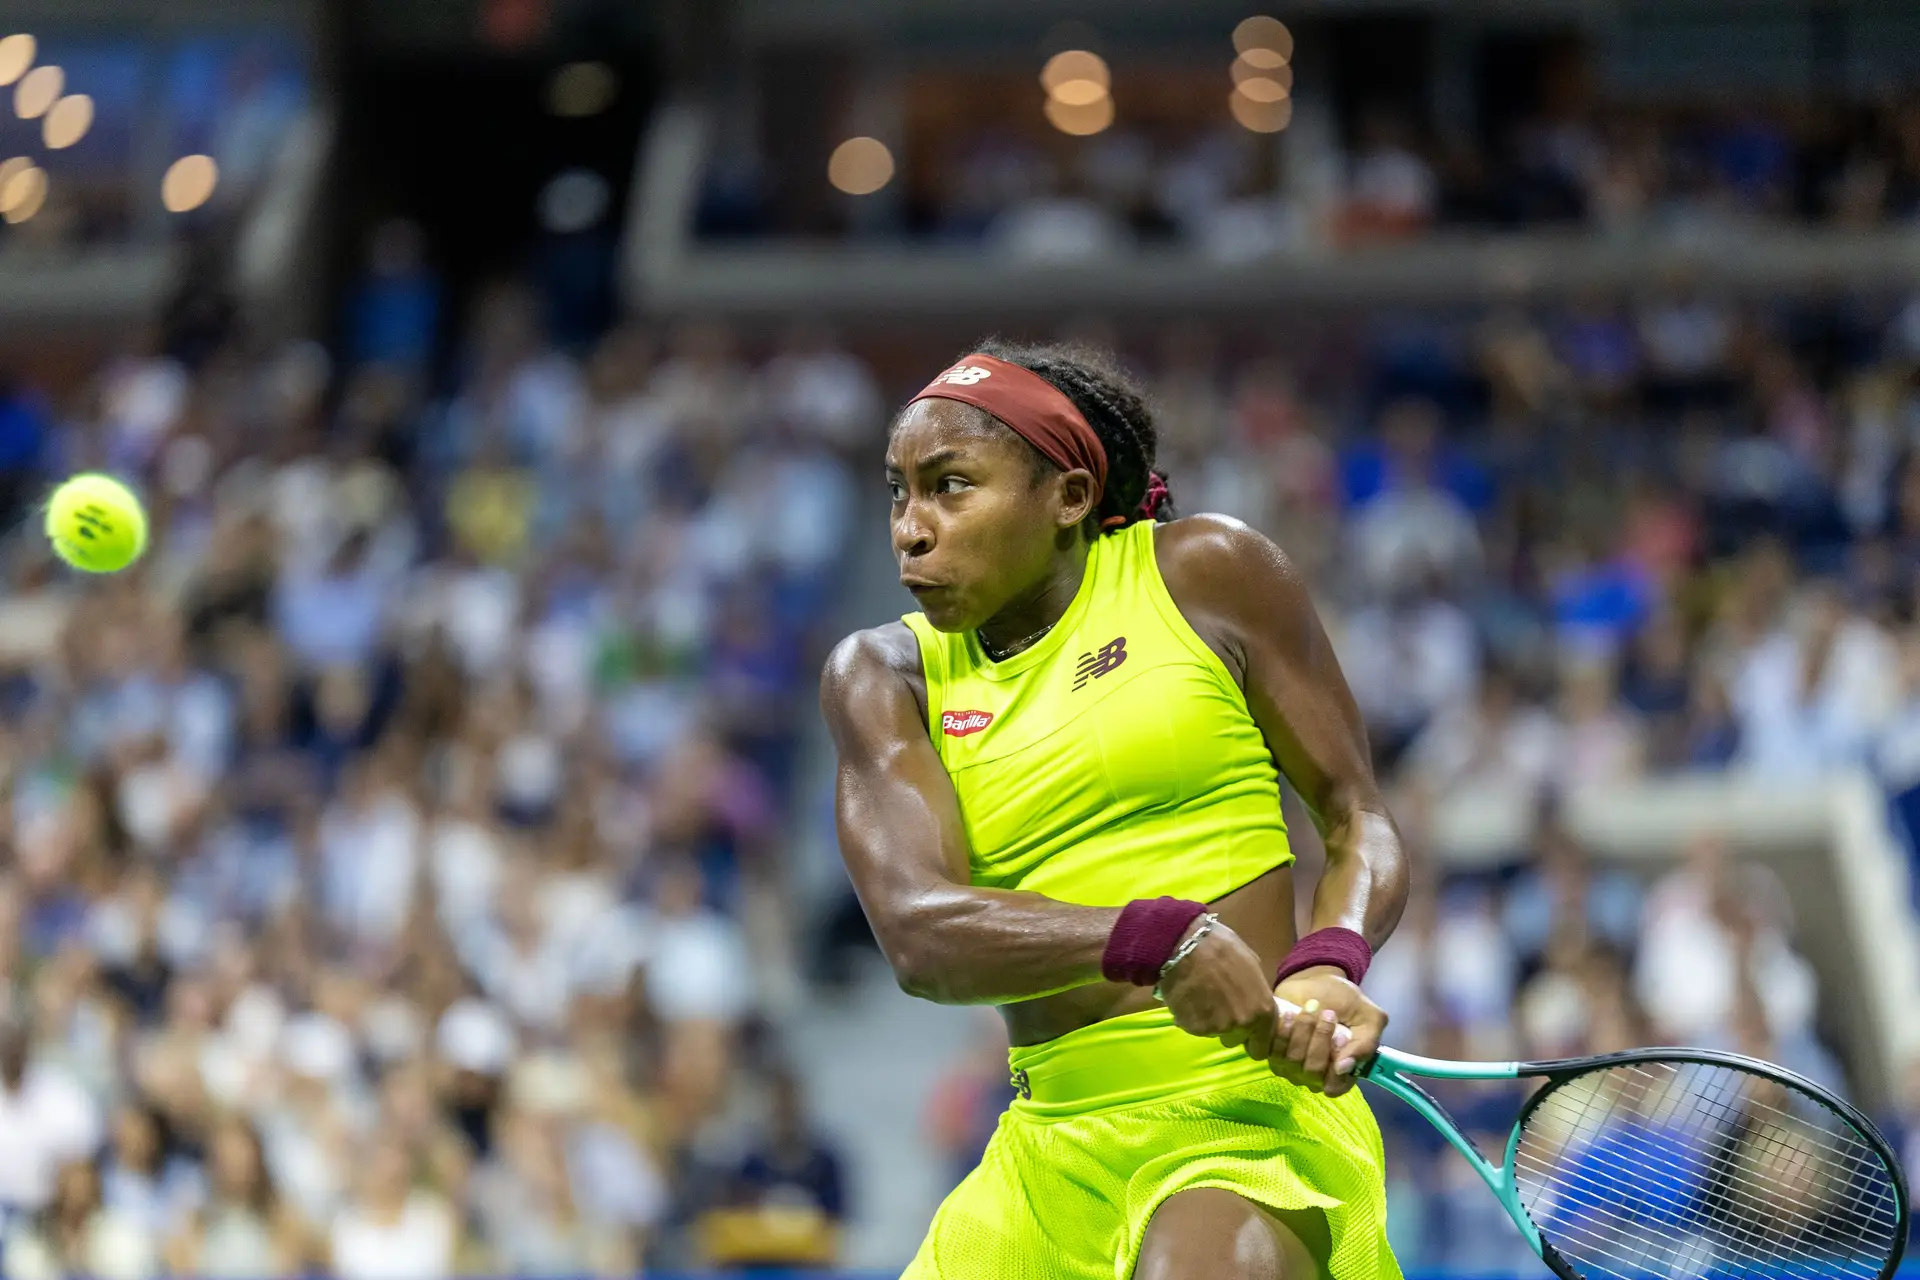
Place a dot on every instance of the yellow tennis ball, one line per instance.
(96, 524)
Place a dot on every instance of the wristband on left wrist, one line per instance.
(1338, 948)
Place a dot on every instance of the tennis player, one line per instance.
(1059, 793)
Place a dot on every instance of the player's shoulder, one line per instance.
(868, 657)
(1209, 546)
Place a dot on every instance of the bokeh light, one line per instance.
(68, 121)
(189, 183)
(860, 166)
(1072, 65)
(1260, 117)
(1080, 121)
(582, 89)
(1282, 75)
(1263, 59)
(23, 193)
(37, 91)
(16, 55)
(10, 167)
(1264, 32)
(1079, 93)
(1261, 90)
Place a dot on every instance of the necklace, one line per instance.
(1016, 646)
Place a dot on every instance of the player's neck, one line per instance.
(1026, 621)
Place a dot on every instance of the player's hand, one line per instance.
(1221, 990)
(1306, 1049)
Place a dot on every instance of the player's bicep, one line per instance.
(899, 821)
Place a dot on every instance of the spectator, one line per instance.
(392, 1228)
(788, 1202)
(242, 1230)
(1706, 926)
(76, 1235)
(1808, 698)
(144, 1181)
(47, 1122)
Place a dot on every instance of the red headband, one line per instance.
(1036, 409)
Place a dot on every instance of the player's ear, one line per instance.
(1076, 498)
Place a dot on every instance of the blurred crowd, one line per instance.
(396, 862)
(393, 861)
(1624, 170)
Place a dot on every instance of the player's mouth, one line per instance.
(920, 586)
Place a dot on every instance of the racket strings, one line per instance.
(1693, 1170)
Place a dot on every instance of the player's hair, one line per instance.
(1116, 408)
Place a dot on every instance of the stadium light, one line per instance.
(16, 55)
(1282, 75)
(23, 194)
(1260, 117)
(1074, 65)
(1264, 32)
(189, 183)
(860, 166)
(68, 121)
(1261, 90)
(37, 91)
(1082, 121)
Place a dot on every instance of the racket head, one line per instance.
(1686, 1164)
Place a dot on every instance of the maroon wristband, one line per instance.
(1342, 948)
(1144, 938)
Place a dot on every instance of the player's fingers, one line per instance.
(1320, 1047)
(1348, 1059)
(1301, 1036)
(1259, 1037)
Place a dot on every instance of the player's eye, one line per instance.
(896, 491)
(953, 484)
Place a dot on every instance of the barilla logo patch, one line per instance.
(965, 375)
(958, 724)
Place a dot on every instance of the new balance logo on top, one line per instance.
(965, 375)
(958, 724)
(1094, 665)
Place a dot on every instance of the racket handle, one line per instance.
(1341, 1033)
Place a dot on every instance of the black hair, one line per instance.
(1116, 408)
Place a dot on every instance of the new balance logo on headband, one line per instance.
(965, 375)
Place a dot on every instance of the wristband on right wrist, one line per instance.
(1145, 937)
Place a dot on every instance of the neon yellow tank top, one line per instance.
(1113, 760)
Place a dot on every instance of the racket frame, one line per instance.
(1390, 1070)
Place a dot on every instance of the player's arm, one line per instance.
(1245, 593)
(906, 849)
(948, 941)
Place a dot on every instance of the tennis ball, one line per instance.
(96, 524)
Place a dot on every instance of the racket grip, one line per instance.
(1286, 1008)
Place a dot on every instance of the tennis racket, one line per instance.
(1678, 1164)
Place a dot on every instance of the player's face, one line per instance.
(974, 527)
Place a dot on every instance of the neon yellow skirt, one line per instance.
(1116, 1117)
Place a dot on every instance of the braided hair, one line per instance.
(1116, 408)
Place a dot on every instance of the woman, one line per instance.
(1058, 793)
(76, 1235)
(242, 1232)
(393, 1229)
